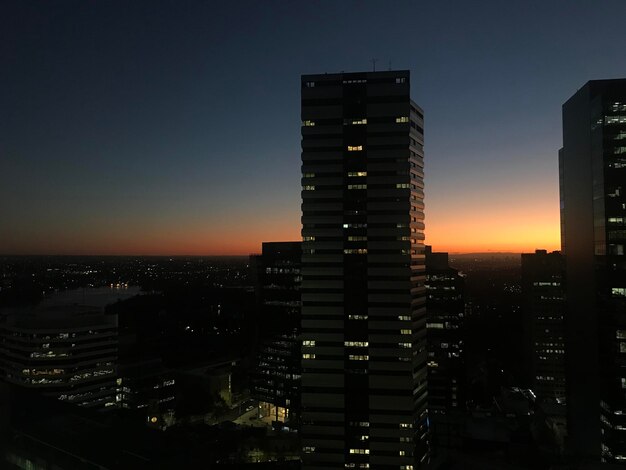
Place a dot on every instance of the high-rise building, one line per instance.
(592, 167)
(363, 296)
(68, 352)
(276, 379)
(544, 336)
(445, 305)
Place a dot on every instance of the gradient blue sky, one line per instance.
(150, 127)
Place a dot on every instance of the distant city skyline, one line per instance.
(161, 129)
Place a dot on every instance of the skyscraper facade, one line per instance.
(592, 167)
(544, 336)
(363, 296)
(276, 380)
(68, 352)
(446, 306)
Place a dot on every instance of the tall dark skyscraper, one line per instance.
(446, 307)
(544, 337)
(593, 230)
(446, 359)
(276, 381)
(363, 295)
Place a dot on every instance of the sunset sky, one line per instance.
(153, 127)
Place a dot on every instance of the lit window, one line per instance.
(358, 357)
(404, 318)
(356, 239)
(308, 449)
(405, 345)
(308, 239)
(310, 84)
(357, 173)
(355, 251)
(357, 317)
(405, 332)
(401, 453)
(308, 175)
(308, 343)
(400, 80)
(355, 148)
(357, 186)
(402, 186)
(618, 291)
(406, 425)
(359, 451)
(308, 188)
(308, 356)
(359, 344)
(402, 119)
(354, 122)
(308, 123)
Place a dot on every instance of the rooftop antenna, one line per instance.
(374, 64)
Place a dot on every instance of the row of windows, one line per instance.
(351, 81)
(616, 119)
(354, 122)
(365, 357)
(363, 251)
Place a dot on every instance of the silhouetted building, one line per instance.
(592, 166)
(276, 379)
(543, 307)
(446, 362)
(445, 306)
(277, 287)
(363, 295)
(68, 352)
(148, 389)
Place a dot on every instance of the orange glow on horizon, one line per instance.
(458, 236)
(507, 228)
